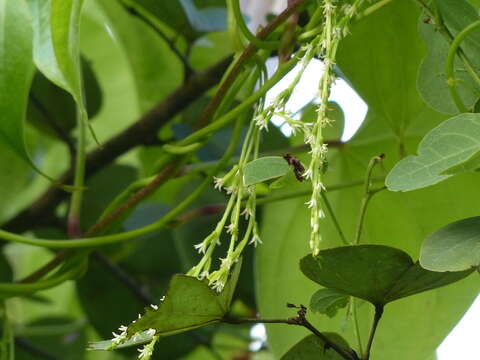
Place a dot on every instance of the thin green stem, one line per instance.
(334, 218)
(450, 64)
(356, 327)
(367, 195)
(376, 320)
(371, 9)
(79, 178)
(261, 44)
(305, 192)
(449, 37)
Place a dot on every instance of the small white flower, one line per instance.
(308, 174)
(201, 247)
(145, 352)
(231, 189)
(328, 7)
(321, 214)
(122, 328)
(226, 263)
(255, 240)
(230, 228)
(312, 203)
(319, 187)
(218, 285)
(218, 183)
(247, 212)
(349, 10)
(203, 275)
(162, 299)
(154, 307)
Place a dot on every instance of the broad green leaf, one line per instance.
(189, 303)
(314, 348)
(56, 49)
(156, 72)
(454, 247)
(449, 144)
(396, 122)
(328, 302)
(432, 83)
(378, 274)
(471, 164)
(16, 70)
(265, 168)
(53, 110)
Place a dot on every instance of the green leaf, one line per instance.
(328, 302)
(189, 303)
(156, 73)
(471, 164)
(53, 110)
(454, 247)
(265, 168)
(449, 144)
(16, 70)
(56, 49)
(432, 83)
(313, 348)
(378, 274)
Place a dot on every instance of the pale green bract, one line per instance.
(265, 168)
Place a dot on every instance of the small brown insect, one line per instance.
(298, 168)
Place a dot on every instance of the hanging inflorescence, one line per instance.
(242, 198)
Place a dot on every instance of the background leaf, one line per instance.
(16, 70)
(451, 143)
(454, 247)
(328, 302)
(312, 347)
(432, 83)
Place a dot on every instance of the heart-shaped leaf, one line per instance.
(189, 303)
(265, 168)
(455, 247)
(450, 143)
(312, 347)
(376, 273)
(328, 301)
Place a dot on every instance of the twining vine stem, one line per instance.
(450, 64)
(300, 320)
